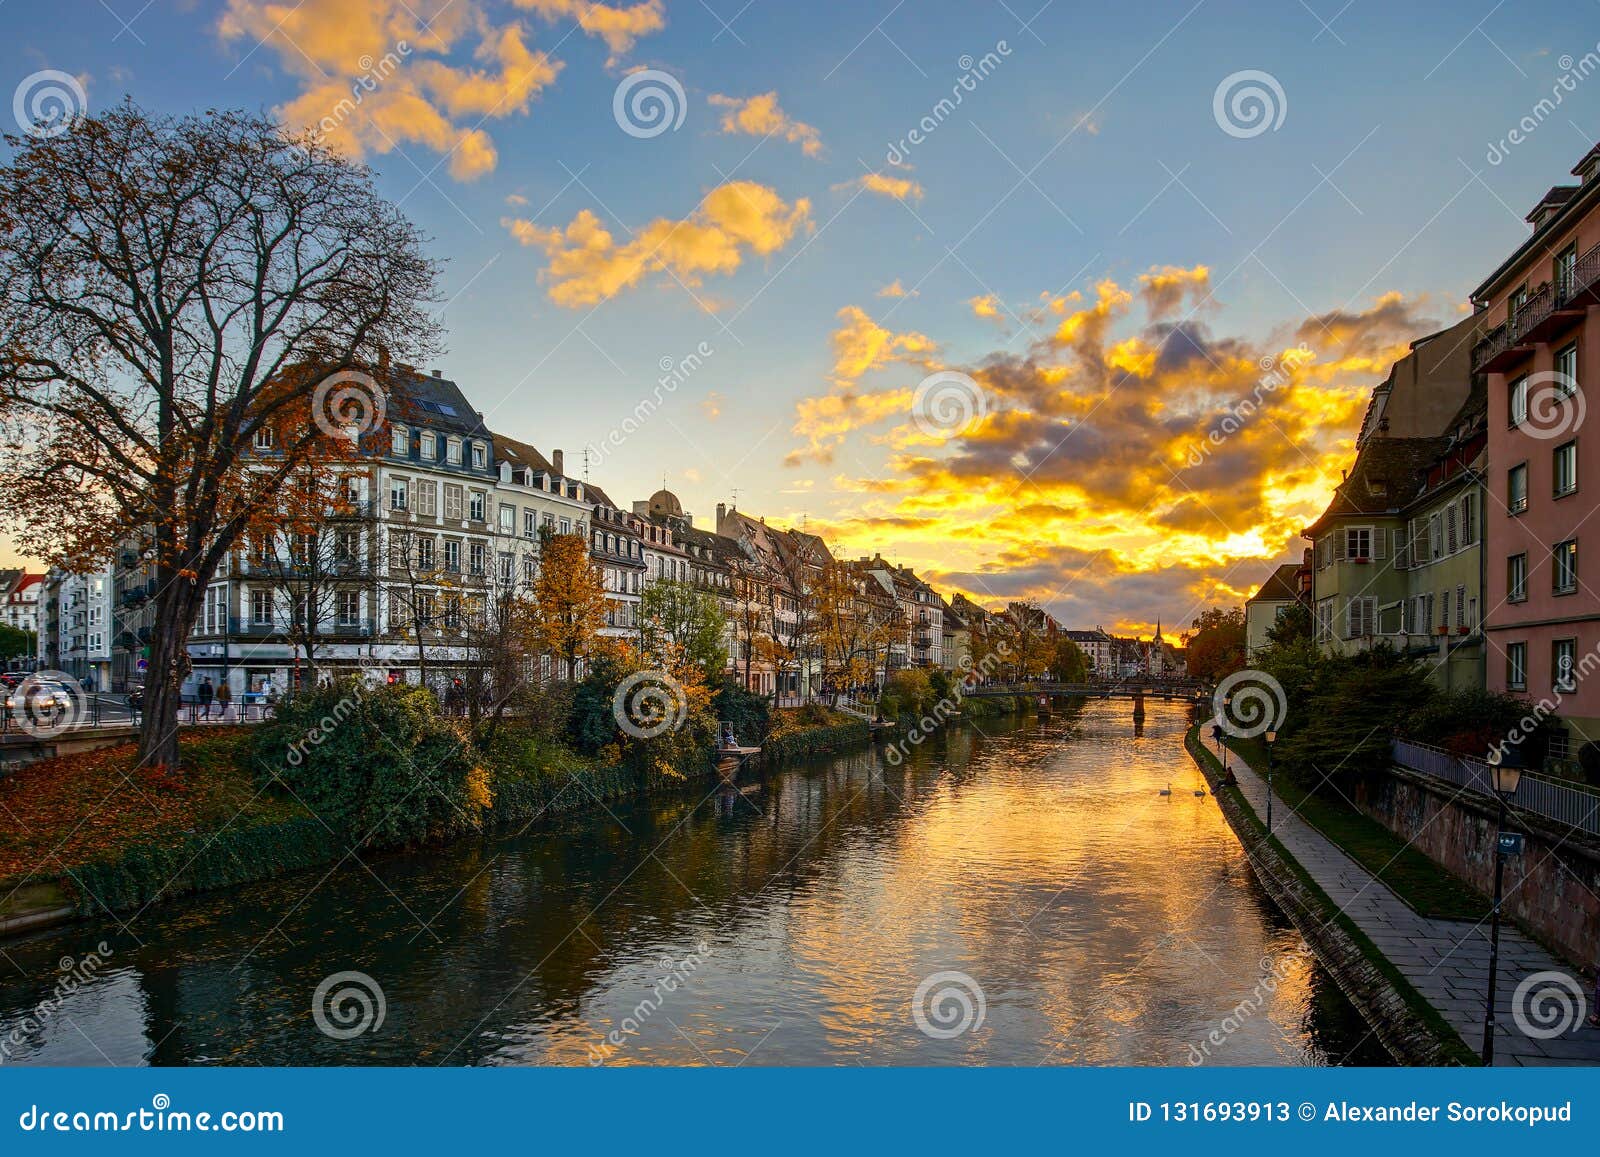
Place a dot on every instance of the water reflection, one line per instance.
(783, 922)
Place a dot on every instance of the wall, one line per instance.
(1552, 890)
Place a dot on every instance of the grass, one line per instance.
(1450, 1041)
(1412, 876)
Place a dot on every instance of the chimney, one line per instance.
(722, 515)
(558, 460)
(438, 373)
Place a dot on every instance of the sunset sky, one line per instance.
(1094, 234)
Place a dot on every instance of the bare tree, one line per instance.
(168, 288)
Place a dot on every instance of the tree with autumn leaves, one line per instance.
(569, 602)
(170, 287)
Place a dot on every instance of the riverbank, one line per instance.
(118, 839)
(1411, 1029)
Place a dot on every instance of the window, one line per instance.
(1469, 521)
(529, 573)
(452, 556)
(1435, 537)
(1450, 529)
(427, 445)
(424, 554)
(508, 564)
(345, 545)
(1358, 542)
(1361, 613)
(1517, 396)
(1564, 468)
(508, 518)
(566, 526)
(427, 498)
(530, 524)
(397, 494)
(352, 491)
(1558, 744)
(1566, 367)
(1564, 569)
(1562, 654)
(1517, 578)
(261, 607)
(263, 438)
(1516, 666)
(349, 608)
(480, 457)
(1461, 608)
(452, 451)
(1566, 265)
(400, 442)
(475, 506)
(452, 502)
(1517, 488)
(475, 555)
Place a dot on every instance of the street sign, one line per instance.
(1511, 843)
(143, 664)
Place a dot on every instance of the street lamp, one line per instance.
(1505, 771)
(1271, 737)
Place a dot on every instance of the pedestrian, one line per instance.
(206, 692)
(224, 699)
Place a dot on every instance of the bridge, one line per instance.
(1186, 690)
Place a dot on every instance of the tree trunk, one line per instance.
(176, 607)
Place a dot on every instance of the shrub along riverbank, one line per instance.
(340, 768)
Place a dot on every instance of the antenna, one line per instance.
(736, 498)
(586, 465)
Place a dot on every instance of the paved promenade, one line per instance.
(1447, 961)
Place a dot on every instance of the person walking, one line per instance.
(206, 692)
(224, 699)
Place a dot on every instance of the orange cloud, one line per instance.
(986, 306)
(760, 116)
(618, 27)
(861, 345)
(884, 185)
(895, 289)
(587, 264)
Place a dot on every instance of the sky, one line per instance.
(1075, 303)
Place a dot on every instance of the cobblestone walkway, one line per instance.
(1447, 961)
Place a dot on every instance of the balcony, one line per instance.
(1547, 310)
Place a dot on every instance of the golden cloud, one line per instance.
(986, 306)
(587, 264)
(618, 27)
(760, 116)
(884, 185)
(895, 289)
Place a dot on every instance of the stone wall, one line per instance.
(1552, 889)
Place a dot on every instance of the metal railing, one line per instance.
(1568, 805)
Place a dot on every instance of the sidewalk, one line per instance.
(1447, 961)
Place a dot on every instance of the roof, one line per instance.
(1574, 203)
(521, 454)
(598, 496)
(1387, 475)
(665, 502)
(437, 401)
(1282, 586)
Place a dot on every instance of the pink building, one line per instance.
(1541, 311)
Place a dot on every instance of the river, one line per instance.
(1019, 894)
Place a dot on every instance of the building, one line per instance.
(1540, 349)
(78, 625)
(616, 543)
(1099, 651)
(1263, 609)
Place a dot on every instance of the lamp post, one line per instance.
(1505, 769)
(1271, 737)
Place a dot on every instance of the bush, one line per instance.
(1470, 721)
(906, 692)
(750, 714)
(376, 764)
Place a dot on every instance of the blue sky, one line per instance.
(1375, 182)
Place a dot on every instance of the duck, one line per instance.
(1166, 790)
(1199, 791)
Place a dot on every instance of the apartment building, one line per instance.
(1540, 310)
(1263, 609)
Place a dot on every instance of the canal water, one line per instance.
(1019, 894)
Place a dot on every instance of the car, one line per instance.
(39, 699)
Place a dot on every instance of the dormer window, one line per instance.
(264, 439)
(400, 441)
(428, 447)
(452, 452)
(479, 458)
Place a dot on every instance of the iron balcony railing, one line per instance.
(1568, 805)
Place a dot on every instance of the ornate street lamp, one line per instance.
(1505, 772)
(1272, 738)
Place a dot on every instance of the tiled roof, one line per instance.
(1387, 475)
(521, 454)
(1281, 585)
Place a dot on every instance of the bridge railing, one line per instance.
(1568, 805)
